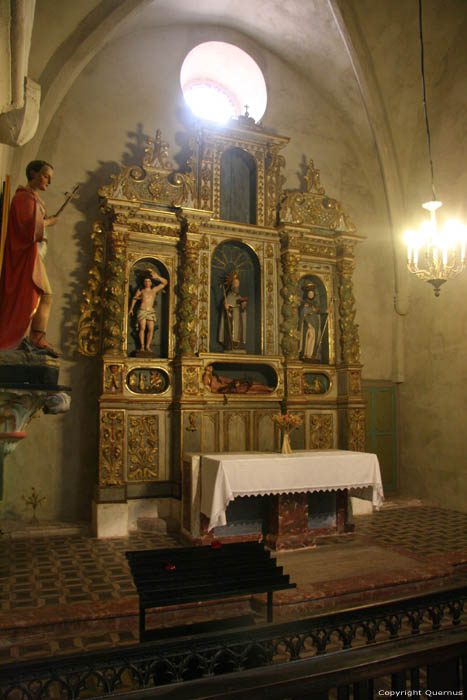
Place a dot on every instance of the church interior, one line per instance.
(211, 278)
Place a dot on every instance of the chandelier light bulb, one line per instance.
(435, 254)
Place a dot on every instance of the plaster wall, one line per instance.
(433, 402)
(6, 161)
(432, 398)
(129, 90)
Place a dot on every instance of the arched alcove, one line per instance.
(235, 259)
(238, 186)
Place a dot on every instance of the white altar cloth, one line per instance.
(227, 476)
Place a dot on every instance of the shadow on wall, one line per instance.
(88, 206)
(79, 458)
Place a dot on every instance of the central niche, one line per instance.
(238, 186)
(235, 284)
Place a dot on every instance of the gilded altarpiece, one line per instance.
(206, 327)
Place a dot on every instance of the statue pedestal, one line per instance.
(28, 385)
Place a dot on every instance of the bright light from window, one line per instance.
(220, 81)
(210, 102)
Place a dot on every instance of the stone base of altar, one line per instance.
(207, 537)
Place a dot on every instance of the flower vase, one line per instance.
(286, 448)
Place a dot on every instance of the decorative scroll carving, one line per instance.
(356, 429)
(321, 431)
(188, 297)
(143, 440)
(91, 307)
(318, 250)
(203, 317)
(191, 380)
(206, 181)
(113, 379)
(350, 343)
(274, 183)
(156, 181)
(112, 303)
(313, 207)
(111, 448)
(157, 230)
(17, 407)
(294, 381)
(156, 153)
(355, 383)
(270, 316)
(191, 427)
(290, 293)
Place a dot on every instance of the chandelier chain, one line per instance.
(422, 61)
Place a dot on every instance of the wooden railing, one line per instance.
(413, 645)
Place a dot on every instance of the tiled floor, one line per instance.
(65, 570)
(51, 575)
(425, 530)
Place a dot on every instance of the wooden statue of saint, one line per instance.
(233, 316)
(146, 315)
(312, 323)
(25, 292)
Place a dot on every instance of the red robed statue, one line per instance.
(25, 293)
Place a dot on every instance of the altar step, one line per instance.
(80, 625)
(326, 597)
(158, 526)
(69, 594)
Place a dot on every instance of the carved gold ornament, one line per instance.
(355, 384)
(192, 427)
(290, 293)
(111, 448)
(350, 342)
(313, 207)
(89, 324)
(356, 429)
(143, 446)
(191, 380)
(294, 381)
(113, 379)
(322, 431)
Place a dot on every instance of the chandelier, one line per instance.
(434, 254)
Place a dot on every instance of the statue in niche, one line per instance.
(146, 315)
(235, 280)
(232, 326)
(312, 325)
(227, 385)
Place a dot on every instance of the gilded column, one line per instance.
(113, 340)
(352, 412)
(188, 296)
(89, 325)
(350, 342)
(290, 293)
(112, 430)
